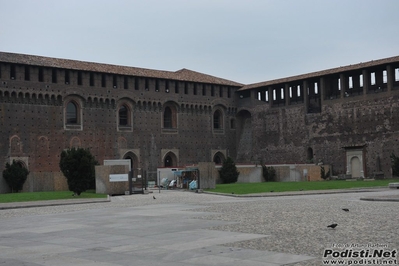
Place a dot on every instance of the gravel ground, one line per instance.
(291, 224)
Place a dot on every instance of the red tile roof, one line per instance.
(331, 71)
(181, 75)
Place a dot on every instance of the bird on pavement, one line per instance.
(332, 225)
(345, 209)
(153, 197)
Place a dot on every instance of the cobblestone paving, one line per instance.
(291, 224)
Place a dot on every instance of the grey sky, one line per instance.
(245, 41)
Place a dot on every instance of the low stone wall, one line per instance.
(45, 181)
(103, 184)
(208, 175)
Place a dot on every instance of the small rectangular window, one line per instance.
(136, 84)
(220, 91)
(195, 88)
(167, 86)
(203, 90)
(67, 77)
(54, 75)
(156, 85)
(80, 78)
(372, 78)
(185, 88)
(103, 80)
(228, 92)
(212, 90)
(41, 78)
(12, 71)
(27, 73)
(125, 82)
(176, 87)
(114, 81)
(91, 79)
(147, 84)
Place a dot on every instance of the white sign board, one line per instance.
(118, 178)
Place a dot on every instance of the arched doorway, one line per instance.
(170, 160)
(133, 160)
(309, 156)
(218, 158)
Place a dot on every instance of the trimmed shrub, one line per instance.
(228, 173)
(269, 173)
(15, 175)
(77, 165)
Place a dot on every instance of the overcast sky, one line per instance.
(247, 41)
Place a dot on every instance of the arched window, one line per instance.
(71, 113)
(123, 116)
(167, 118)
(217, 120)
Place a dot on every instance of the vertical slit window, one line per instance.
(80, 78)
(203, 90)
(91, 79)
(217, 120)
(66, 76)
(372, 78)
(136, 83)
(195, 88)
(384, 76)
(125, 83)
(54, 75)
(185, 88)
(212, 90)
(147, 84)
(41, 74)
(12, 72)
(228, 92)
(114, 81)
(220, 91)
(27, 73)
(103, 80)
(176, 87)
(167, 86)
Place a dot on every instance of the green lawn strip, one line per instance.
(49, 195)
(249, 188)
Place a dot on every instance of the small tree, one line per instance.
(77, 165)
(395, 165)
(269, 173)
(15, 175)
(228, 173)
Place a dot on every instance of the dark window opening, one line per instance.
(212, 90)
(156, 85)
(27, 73)
(72, 113)
(176, 87)
(41, 78)
(136, 84)
(309, 155)
(185, 88)
(203, 90)
(123, 116)
(103, 80)
(168, 161)
(195, 89)
(125, 83)
(217, 159)
(54, 75)
(114, 81)
(12, 72)
(220, 91)
(167, 86)
(91, 79)
(80, 78)
(167, 118)
(228, 92)
(67, 77)
(147, 84)
(217, 120)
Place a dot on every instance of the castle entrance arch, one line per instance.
(170, 160)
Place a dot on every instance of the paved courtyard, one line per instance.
(186, 228)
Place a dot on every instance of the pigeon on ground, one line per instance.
(345, 209)
(153, 197)
(332, 225)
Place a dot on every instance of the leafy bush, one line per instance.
(77, 165)
(15, 175)
(269, 173)
(228, 173)
(395, 165)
